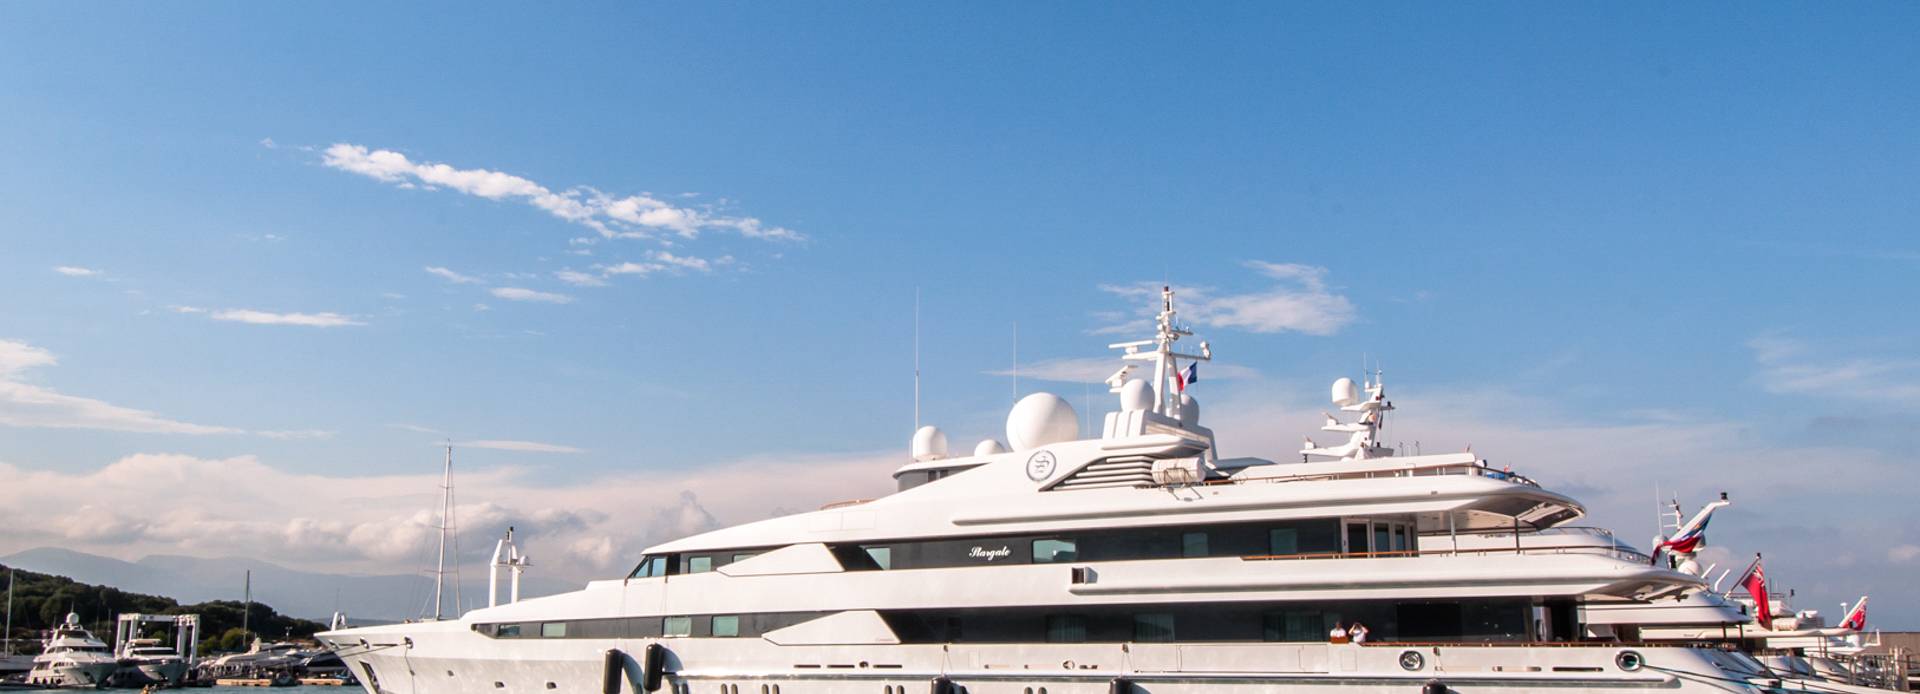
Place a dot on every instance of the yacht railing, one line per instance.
(1620, 553)
(1468, 469)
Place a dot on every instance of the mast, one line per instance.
(916, 358)
(8, 638)
(446, 508)
(246, 613)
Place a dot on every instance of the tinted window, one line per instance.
(1153, 627)
(678, 626)
(696, 565)
(882, 556)
(1053, 551)
(727, 625)
(1193, 545)
(553, 630)
(1066, 628)
(1282, 541)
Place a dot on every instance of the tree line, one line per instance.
(42, 601)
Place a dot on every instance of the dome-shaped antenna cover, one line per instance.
(1041, 419)
(1136, 394)
(987, 448)
(929, 443)
(1345, 393)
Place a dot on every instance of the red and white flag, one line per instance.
(1755, 581)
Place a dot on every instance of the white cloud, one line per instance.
(1300, 302)
(416, 428)
(297, 434)
(521, 446)
(662, 261)
(76, 271)
(523, 294)
(313, 320)
(450, 275)
(1903, 554)
(1097, 369)
(580, 279)
(374, 522)
(27, 405)
(640, 216)
(1793, 366)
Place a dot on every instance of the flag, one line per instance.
(1856, 618)
(1189, 375)
(1755, 581)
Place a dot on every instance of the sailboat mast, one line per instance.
(446, 507)
(246, 613)
(8, 639)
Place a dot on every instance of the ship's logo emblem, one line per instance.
(1040, 466)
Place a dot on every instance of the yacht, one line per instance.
(145, 661)
(72, 657)
(1133, 559)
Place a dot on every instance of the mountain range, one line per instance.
(306, 594)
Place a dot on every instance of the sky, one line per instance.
(653, 267)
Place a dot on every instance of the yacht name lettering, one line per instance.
(990, 554)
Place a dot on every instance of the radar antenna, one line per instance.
(1166, 362)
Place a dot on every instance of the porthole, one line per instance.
(1028, 690)
(1629, 660)
(551, 685)
(499, 685)
(1043, 690)
(449, 673)
(1412, 660)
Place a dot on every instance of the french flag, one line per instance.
(1190, 375)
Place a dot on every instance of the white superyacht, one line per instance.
(72, 657)
(1135, 561)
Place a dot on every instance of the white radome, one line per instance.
(1345, 392)
(1189, 410)
(929, 443)
(988, 447)
(1041, 419)
(1136, 394)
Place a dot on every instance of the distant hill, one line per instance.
(41, 601)
(303, 593)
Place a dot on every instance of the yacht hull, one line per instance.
(84, 674)
(462, 662)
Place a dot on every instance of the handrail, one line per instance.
(1618, 552)
(1469, 469)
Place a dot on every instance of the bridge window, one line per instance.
(698, 565)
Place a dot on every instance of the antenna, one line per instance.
(1016, 361)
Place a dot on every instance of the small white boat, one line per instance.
(72, 657)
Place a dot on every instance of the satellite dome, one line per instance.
(988, 447)
(929, 443)
(1189, 410)
(1041, 419)
(1136, 394)
(1345, 393)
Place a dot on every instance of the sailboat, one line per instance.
(11, 664)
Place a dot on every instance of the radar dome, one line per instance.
(1189, 410)
(1345, 393)
(1041, 419)
(929, 443)
(988, 447)
(1136, 394)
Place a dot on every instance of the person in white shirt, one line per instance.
(1358, 632)
(1338, 634)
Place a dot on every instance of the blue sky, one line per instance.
(1590, 220)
